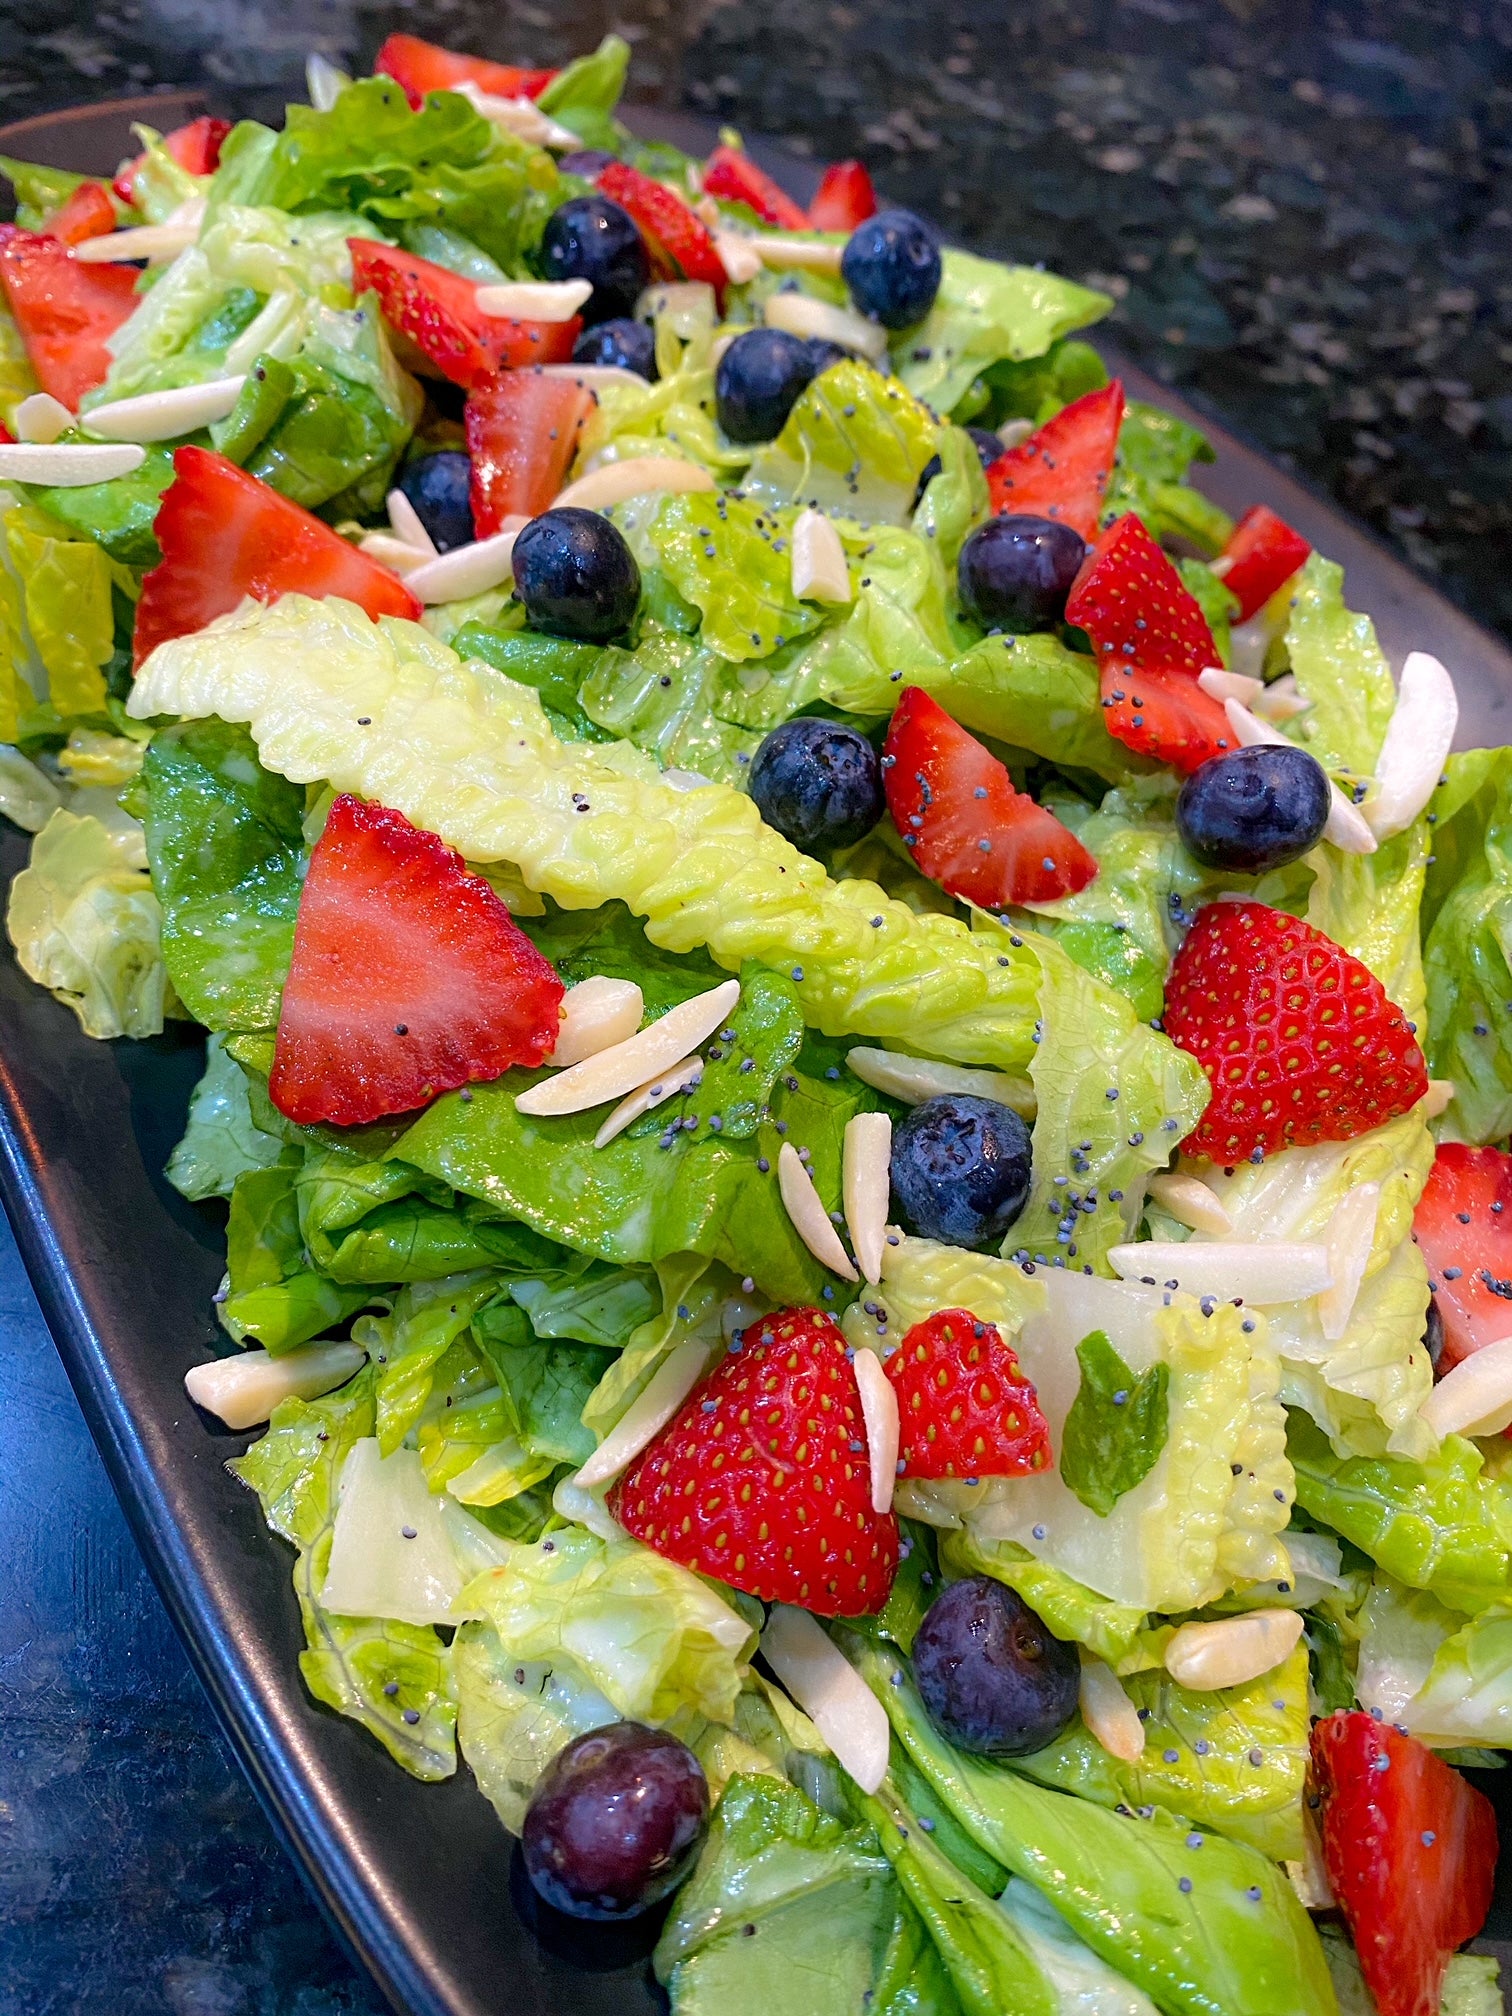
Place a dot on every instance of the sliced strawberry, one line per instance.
(679, 243)
(960, 817)
(1410, 1850)
(1062, 470)
(1262, 553)
(86, 213)
(845, 198)
(1136, 608)
(965, 1408)
(762, 1479)
(1299, 1040)
(195, 147)
(409, 977)
(733, 177)
(424, 66)
(64, 311)
(1463, 1222)
(522, 433)
(224, 535)
(439, 312)
(1165, 715)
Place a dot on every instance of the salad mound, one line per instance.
(857, 1054)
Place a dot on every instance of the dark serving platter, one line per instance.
(419, 1880)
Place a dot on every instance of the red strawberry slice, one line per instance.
(763, 1478)
(409, 977)
(733, 177)
(1410, 1850)
(522, 433)
(965, 1408)
(960, 817)
(224, 534)
(845, 198)
(438, 311)
(1299, 1040)
(64, 311)
(679, 243)
(87, 212)
(1135, 606)
(1165, 715)
(1263, 552)
(1062, 470)
(1463, 1222)
(423, 66)
(195, 147)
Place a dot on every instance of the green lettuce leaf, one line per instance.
(1035, 389)
(225, 838)
(444, 247)
(117, 516)
(985, 312)
(855, 443)
(408, 1343)
(725, 555)
(38, 189)
(1341, 670)
(1114, 1631)
(673, 416)
(955, 500)
(220, 1141)
(1116, 1427)
(274, 1297)
(663, 697)
(583, 95)
(85, 924)
(28, 796)
(514, 1715)
(1446, 1681)
(1471, 1981)
(1084, 1984)
(1467, 945)
(1155, 452)
(61, 604)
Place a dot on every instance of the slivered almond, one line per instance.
(648, 1413)
(1346, 826)
(811, 1221)
(158, 244)
(879, 1410)
(1230, 685)
(1264, 1271)
(802, 315)
(533, 300)
(665, 1085)
(819, 570)
(830, 1691)
(636, 476)
(1189, 1201)
(798, 255)
(409, 526)
(738, 256)
(1280, 701)
(1220, 565)
(1249, 644)
(596, 1013)
(324, 83)
(1233, 1650)
(41, 418)
(629, 1065)
(245, 1389)
(395, 554)
(163, 416)
(1013, 431)
(520, 116)
(1438, 1098)
(1417, 741)
(1109, 1714)
(1351, 1233)
(466, 570)
(595, 377)
(68, 465)
(915, 1079)
(1476, 1397)
(867, 1187)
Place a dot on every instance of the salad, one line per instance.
(858, 1054)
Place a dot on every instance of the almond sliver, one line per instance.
(648, 1413)
(408, 525)
(636, 476)
(1475, 1398)
(68, 465)
(1109, 1714)
(533, 300)
(802, 315)
(665, 1085)
(799, 255)
(867, 1187)
(244, 1390)
(1233, 1650)
(811, 1221)
(1417, 742)
(818, 563)
(1351, 1234)
(879, 1410)
(1189, 1200)
(1230, 685)
(624, 1067)
(596, 1014)
(1265, 1271)
(42, 418)
(830, 1691)
(466, 570)
(915, 1079)
(163, 416)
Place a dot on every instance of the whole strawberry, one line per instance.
(965, 1408)
(1299, 1040)
(763, 1479)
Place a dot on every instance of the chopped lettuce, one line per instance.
(583, 95)
(397, 1550)
(1084, 1984)
(1447, 1681)
(730, 558)
(663, 697)
(61, 601)
(514, 1715)
(986, 312)
(1340, 670)
(1467, 946)
(38, 189)
(220, 1141)
(28, 796)
(673, 416)
(18, 381)
(855, 442)
(408, 1343)
(1155, 451)
(1114, 1631)
(273, 1295)
(117, 516)
(1035, 389)
(85, 924)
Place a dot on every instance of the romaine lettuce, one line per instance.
(60, 603)
(855, 442)
(220, 1141)
(514, 1715)
(273, 1295)
(582, 96)
(986, 312)
(1340, 669)
(1447, 1681)
(85, 923)
(1084, 1984)
(1467, 947)
(407, 1344)
(730, 558)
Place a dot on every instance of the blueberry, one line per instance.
(1015, 573)
(891, 265)
(630, 344)
(824, 355)
(1254, 809)
(987, 445)
(819, 784)
(590, 238)
(438, 487)
(1433, 1334)
(615, 1821)
(760, 376)
(993, 1678)
(575, 575)
(589, 162)
(960, 1169)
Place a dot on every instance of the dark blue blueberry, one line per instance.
(994, 1680)
(891, 265)
(759, 377)
(960, 1169)
(987, 445)
(824, 355)
(438, 487)
(1015, 573)
(589, 162)
(615, 1821)
(819, 784)
(590, 238)
(1251, 810)
(630, 344)
(575, 575)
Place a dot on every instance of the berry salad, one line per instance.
(859, 1056)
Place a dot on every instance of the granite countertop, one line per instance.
(1305, 214)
